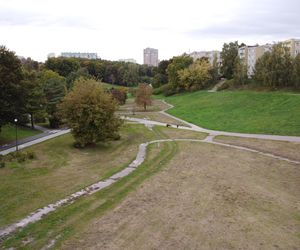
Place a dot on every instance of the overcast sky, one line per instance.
(118, 29)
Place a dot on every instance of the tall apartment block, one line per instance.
(151, 57)
(79, 55)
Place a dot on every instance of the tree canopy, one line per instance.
(89, 111)
(228, 55)
(12, 92)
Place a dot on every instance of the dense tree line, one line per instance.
(34, 90)
(119, 73)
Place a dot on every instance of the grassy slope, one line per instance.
(61, 169)
(8, 133)
(240, 111)
(69, 220)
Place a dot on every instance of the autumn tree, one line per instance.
(143, 95)
(89, 111)
(196, 76)
(178, 63)
(120, 95)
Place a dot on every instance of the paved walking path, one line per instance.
(29, 141)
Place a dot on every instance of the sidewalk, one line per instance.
(29, 141)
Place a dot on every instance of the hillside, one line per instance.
(240, 111)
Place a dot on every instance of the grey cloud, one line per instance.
(18, 18)
(259, 18)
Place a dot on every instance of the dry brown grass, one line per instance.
(156, 116)
(175, 133)
(289, 150)
(207, 197)
(61, 169)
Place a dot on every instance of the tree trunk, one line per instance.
(145, 106)
(32, 123)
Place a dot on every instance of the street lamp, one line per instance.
(16, 120)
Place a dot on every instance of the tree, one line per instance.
(296, 71)
(62, 66)
(11, 94)
(35, 98)
(196, 76)
(161, 77)
(143, 95)
(89, 111)
(215, 70)
(228, 55)
(240, 72)
(54, 87)
(275, 68)
(178, 63)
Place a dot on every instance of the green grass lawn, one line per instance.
(240, 111)
(60, 169)
(8, 133)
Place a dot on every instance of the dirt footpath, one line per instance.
(207, 197)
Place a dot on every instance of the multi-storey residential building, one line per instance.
(210, 55)
(79, 55)
(151, 57)
(131, 60)
(293, 45)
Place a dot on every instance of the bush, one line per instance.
(16, 156)
(31, 155)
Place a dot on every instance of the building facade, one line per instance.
(210, 55)
(79, 55)
(151, 57)
(293, 45)
(250, 54)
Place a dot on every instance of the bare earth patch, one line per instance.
(289, 150)
(207, 197)
(159, 117)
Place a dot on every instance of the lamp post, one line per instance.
(16, 120)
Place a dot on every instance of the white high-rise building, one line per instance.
(151, 57)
